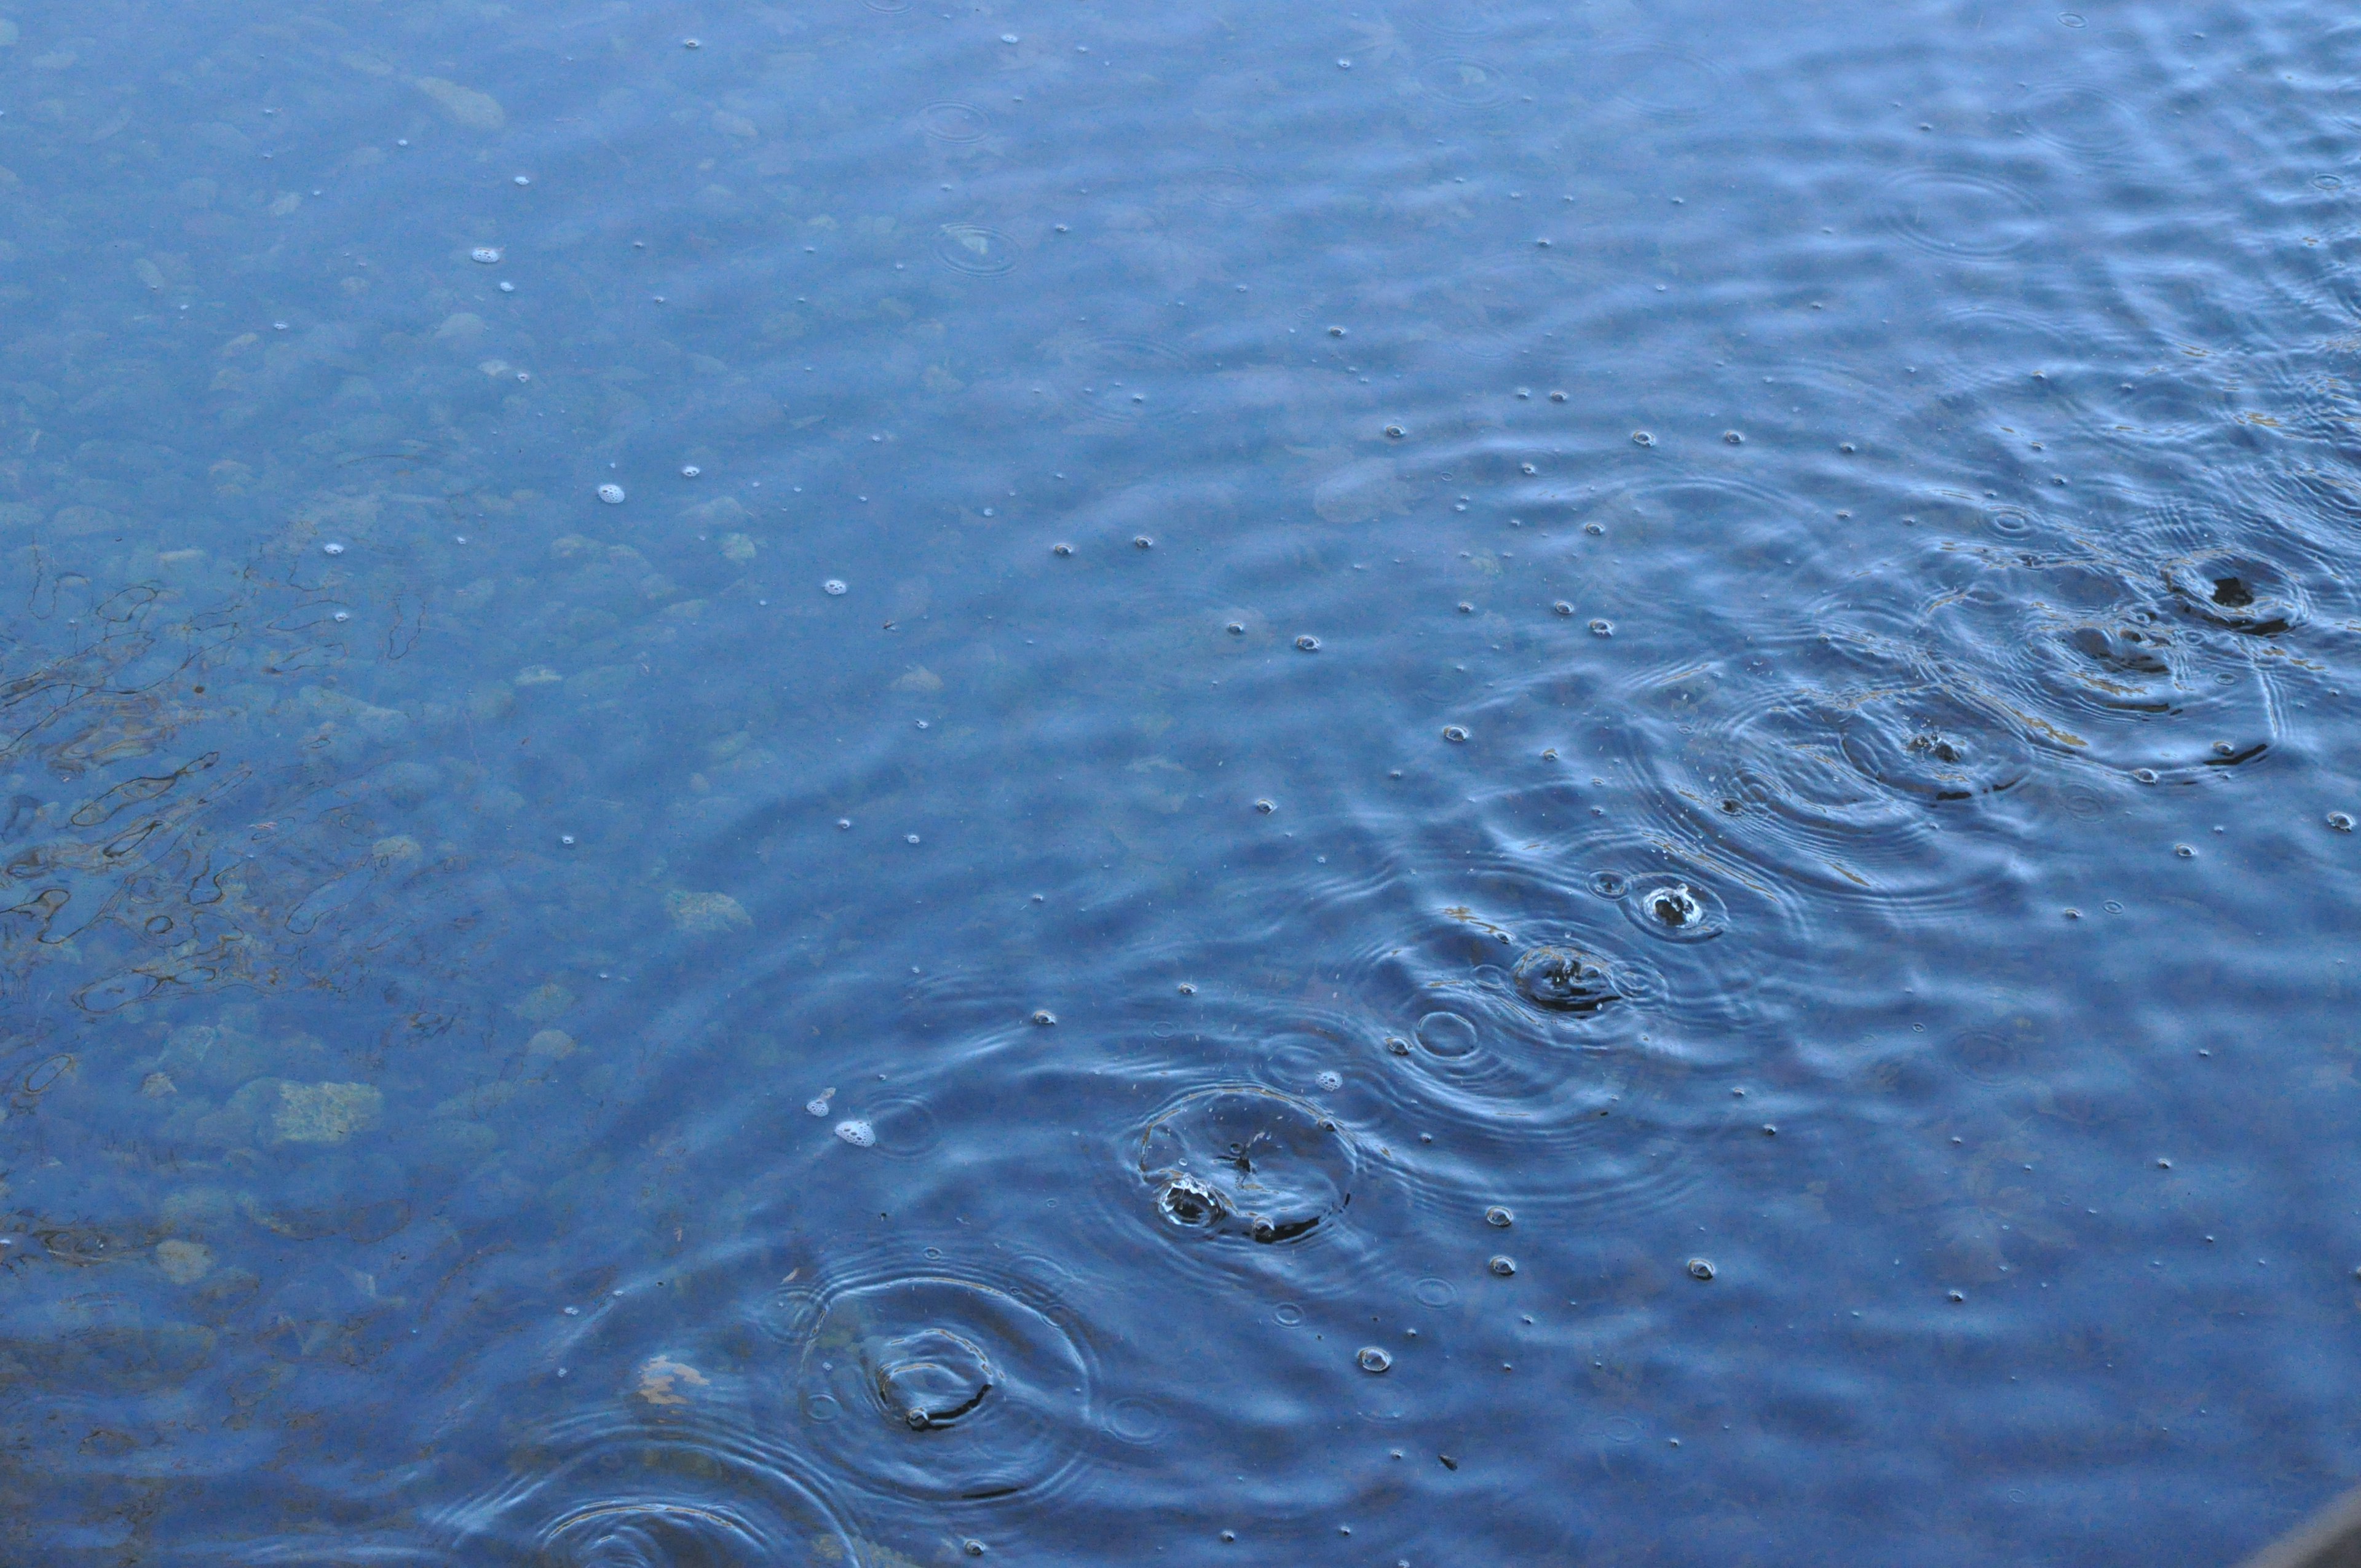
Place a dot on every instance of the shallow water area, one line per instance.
(863, 785)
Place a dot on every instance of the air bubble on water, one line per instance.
(857, 1133)
(1308, 644)
(843, 823)
(833, 587)
(612, 494)
(1061, 549)
(1371, 1359)
(1395, 433)
(1266, 807)
(1499, 1217)
(1331, 1081)
(1732, 437)
(1044, 1017)
(1563, 608)
(332, 548)
(692, 43)
(2145, 775)
(818, 1104)
(1336, 332)
(1466, 608)
(1453, 733)
(1557, 397)
(1642, 438)
(2341, 820)
(490, 255)
(1602, 627)
(1008, 38)
(1143, 543)
(1502, 1265)
(690, 471)
(508, 288)
(1235, 628)
(2184, 851)
(524, 179)
(1700, 1268)
(344, 615)
(1594, 529)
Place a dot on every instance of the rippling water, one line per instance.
(859, 785)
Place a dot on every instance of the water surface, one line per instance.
(857, 784)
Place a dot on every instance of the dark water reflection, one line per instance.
(1528, 783)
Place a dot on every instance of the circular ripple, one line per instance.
(1470, 83)
(2092, 662)
(974, 249)
(954, 122)
(937, 1386)
(1229, 189)
(608, 1493)
(1246, 1165)
(1567, 980)
(1953, 212)
(2234, 588)
(1931, 744)
(1125, 380)
(1675, 908)
(1666, 83)
(2079, 120)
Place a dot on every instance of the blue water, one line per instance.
(1477, 783)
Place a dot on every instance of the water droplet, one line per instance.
(1700, 1268)
(834, 587)
(1602, 627)
(1308, 644)
(1370, 1359)
(1453, 733)
(612, 494)
(490, 255)
(1044, 1017)
(1499, 1217)
(857, 1133)
(1502, 1265)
